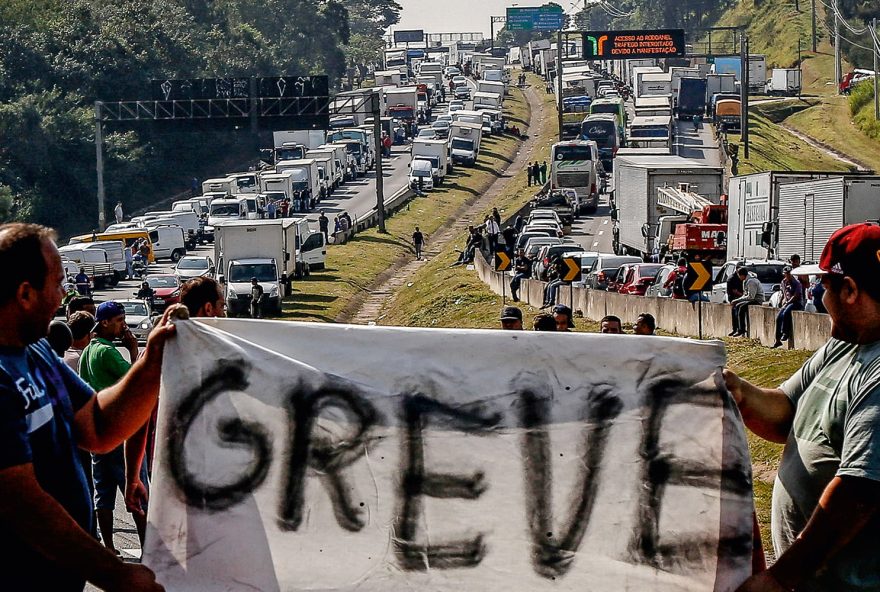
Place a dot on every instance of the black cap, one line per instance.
(511, 313)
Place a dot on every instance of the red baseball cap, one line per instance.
(852, 251)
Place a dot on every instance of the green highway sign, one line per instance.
(541, 18)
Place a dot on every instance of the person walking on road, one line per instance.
(102, 366)
(752, 295)
(418, 240)
(792, 300)
(82, 282)
(324, 226)
(46, 511)
(117, 212)
(256, 299)
(826, 498)
(543, 170)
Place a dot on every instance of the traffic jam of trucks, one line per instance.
(240, 213)
(619, 122)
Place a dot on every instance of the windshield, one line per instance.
(193, 264)
(649, 131)
(162, 281)
(135, 309)
(607, 108)
(421, 173)
(604, 133)
(573, 153)
(264, 272)
(462, 144)
(246, 182)
(287, 154)
(767, 274)
(353, 148)
(224, 209)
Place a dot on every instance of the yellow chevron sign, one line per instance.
(573, 271)
(502, 261)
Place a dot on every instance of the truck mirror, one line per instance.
(645, 230)
(221, 279)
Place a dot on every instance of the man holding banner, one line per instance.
(46, 413)
(825, 522)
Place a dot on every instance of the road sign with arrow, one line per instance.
(699, 277)
(572, 269)
(502, 261)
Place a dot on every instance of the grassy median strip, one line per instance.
(771, 148)
(352, 268)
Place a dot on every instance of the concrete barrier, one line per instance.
(810, 330)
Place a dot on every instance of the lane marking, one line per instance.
(601, 232)
(596, 244)
(605, 221)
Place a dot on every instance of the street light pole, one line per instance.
(558, 85)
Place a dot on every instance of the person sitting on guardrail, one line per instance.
(826, 498)
(792, 299)
(752, 294)
(554, 275)
(522, 267)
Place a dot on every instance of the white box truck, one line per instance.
(636, 180)
(719, 83)
(277, 182)
(305, 175)
(753, 202)
(464, 142)
(811, 211)
(784, 82)
(485, 100)
(335, 166)
(489, 86)
(341, 156)
(308, 138)
(435, 151)
(654, 84)
(248, 249)
(225, 185)
(401, 103)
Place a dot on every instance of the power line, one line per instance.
(850, 41)
(834, 8)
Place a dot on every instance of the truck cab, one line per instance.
(238, 276)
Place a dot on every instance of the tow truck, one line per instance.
(699, 226)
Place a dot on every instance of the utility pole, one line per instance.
(744, 93)
(376, 104)
(99, 153)
(876, 47)
(814, 25)
(837, 68)
(558, 85)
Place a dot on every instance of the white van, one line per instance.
(168, 241)
(421, 170)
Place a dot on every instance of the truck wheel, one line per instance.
(115, 279)
(176, 255)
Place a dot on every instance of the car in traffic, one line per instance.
(427, 133)
(535, 243)
(638, 277)
(193, 266)
(459, 80)
(441, 129)
(657, 288)
(454, 108)
(768, 272)
(138, 317)
(451, 71)
(559, 202)
(462, 92)
(166, 290)
(605, 265)
(546, 254)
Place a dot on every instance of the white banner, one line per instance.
(295, 456)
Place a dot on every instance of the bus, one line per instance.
(602, 129)
(574, 165)
(651, 132)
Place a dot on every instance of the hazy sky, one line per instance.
(457, 16)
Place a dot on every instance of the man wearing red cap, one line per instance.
(825, 519)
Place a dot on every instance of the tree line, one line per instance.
(59, 56)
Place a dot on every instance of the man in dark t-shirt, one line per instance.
(46, 413)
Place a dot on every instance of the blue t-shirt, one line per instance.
(39, 396)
